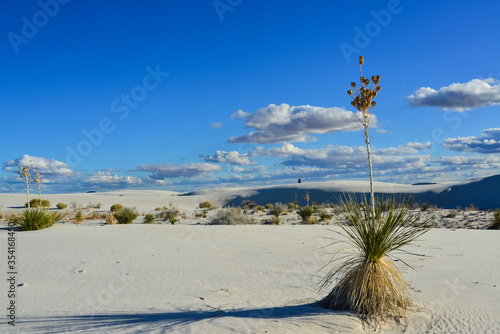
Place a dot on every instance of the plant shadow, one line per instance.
(170, 320)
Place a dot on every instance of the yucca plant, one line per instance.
(36, 219)
(125, 215)
(368, 281)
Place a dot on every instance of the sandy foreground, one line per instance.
(194, 278)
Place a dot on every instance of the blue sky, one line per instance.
(183, 95)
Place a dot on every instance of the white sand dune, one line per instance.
(190, 278)
(233, 279)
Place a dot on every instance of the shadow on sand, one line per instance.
(170, 320)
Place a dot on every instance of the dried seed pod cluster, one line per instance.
(363, 97)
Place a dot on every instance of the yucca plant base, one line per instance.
(367, 281)
(373, 290)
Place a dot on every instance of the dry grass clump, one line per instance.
(231, 216)
(205, 205)
(369, 283)
(110, 219)
(61, 206)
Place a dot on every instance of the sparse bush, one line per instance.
(116, 207)
(292, 206)
(37, 203)
(78, 216)
(276, 220)
(198, 214)
(36, 219)
(171, 215)
(205, 205)
(472, 207)
(61, 206)
(248, 205)
(496, 224)
(149, 219)
(126, 215)
(231, 216)
(305, 213)
(269, 206)
(277, 209)
(325, 216)
(425, 207)
(159, 209)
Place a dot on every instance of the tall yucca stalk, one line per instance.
(369, 283)
(362, 99)
(24, 173)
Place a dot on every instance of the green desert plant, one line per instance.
(61, 206)
(369, 283)
(276, 220)
(305, 213)
(33, 219)
(496, 217)
(171, 215)
(116, 207)
(126, 215)
(425, 207)
(230, 216)
(149, 219)
(78, 215)
(325, 216)
(205, 205)
(36, 202)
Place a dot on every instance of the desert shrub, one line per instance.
(425, 207)
(496, 217)
(149, 219)
(116, 207)
(368, 282)
(269, 206)
(126, 215)
(277, 209)
(305, 213)
(171, 215)
(37, 203)
(292, 206)
(36, 219)
(159, 208)
(325, 216)
(231, 216)
(78, 215)
(472, 207)
(61, 206)
(205, 205)
(276, 220)
(248, 205)
(198, 214)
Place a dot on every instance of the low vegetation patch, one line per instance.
(306, 213)
(149, 219)
(38, 203)
(35, 219)
(116, 207)
(126, 215)
(61, 206)
(205, 205)
(231, 216)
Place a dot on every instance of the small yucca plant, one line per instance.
(36, 219)
(369, 283)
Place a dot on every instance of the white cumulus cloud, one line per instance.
(488, 142)
(285, 123)
(476, 93)
(233, 158)
(166, 171)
